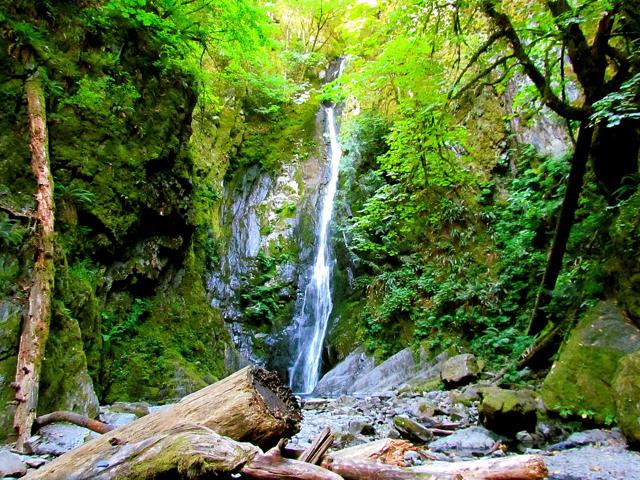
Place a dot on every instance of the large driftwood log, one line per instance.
(184, 451)
(364, 462)
(251, 406)
(517, 467)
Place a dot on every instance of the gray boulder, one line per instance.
(11, 465)
(404, 370)
(468, 442)
(59, 438)
(460, 370)
(339, 380)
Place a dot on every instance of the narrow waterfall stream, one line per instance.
(313, 318)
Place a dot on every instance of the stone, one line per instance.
(460, 370)
(340, 379)
(11, 465)
(508, 411)
(66, 384)
(594, 463)
(361, 427)
(596, 437)
(59, 438)
(627, 389)
(139, 409)
(117, 419)
(404, 370)
(582, 379)
(412, 430)
(467, 442)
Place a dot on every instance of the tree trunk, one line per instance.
(517, 467)
(250, 406)
(183, 451)
(539, 317)
(35, 329)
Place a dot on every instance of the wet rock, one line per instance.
(508, 411)
(34, 462)
(11, 465)
(139, 409)
(340, 379)
(460, 370)
(593, 463)
(468, 442)
(412, 458)
(584, 374)
(59, 438)
(412, 430)
(117, 419)
(590, 437)
(360, 427)
(627, 389)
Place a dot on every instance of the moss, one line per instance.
(65, 383)
(580, 382)
(627, 388)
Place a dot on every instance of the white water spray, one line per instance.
(312, 322)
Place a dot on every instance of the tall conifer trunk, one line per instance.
(35, 329)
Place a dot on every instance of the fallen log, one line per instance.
(71, 417)
(364, 462)
(517, 467)
(185, 451)
(251, 406)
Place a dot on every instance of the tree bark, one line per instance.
(185, 450)
(35, 329)
(71, 417)
(539, 318)
(249, 406)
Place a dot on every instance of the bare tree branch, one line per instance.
(503, 23)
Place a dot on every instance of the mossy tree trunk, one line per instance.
(35, 329)
(539, 318)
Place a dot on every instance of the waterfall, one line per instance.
(312, 321)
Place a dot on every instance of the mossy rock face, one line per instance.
(580, 382)
(65, 383)
(10, 316)
(508, 411)
(627, 389)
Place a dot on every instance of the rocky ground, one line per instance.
(418, 417)
(590, 455)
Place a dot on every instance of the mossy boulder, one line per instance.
(508, 411)
(460, 370)
(580, 382)
(65, 382)
(10, 315)
(627, 389)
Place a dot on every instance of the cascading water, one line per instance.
(313, 319)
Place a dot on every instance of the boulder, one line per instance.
(595, 437)
(508, 411)
(59, 438)
(412, 430)
(627, 389)
(460, 370)
(581, 381)
(468, 442)
(339, 380)
(404, 370)
(11, 465)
